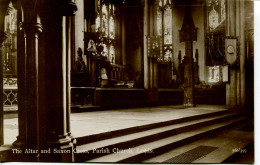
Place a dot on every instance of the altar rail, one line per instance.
(118, 72)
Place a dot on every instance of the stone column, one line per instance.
(231, 88)
(146, 30)
(68, 69)
(3, 9)
(188, 34)
(123, 32)
(57, 81)
(242, 52)
(21, 138)
(29, 125)
(235, 27)
(45, 80)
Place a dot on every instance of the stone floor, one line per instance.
(89, 123)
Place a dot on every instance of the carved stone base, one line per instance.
(61, 150)
(188, 105)
(19, 143)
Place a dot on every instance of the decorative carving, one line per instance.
(31, 28)
(154, 47)
(188, 30)
(80, 65)
(10, 82)
(10, 97)
(10, 91)
(91, 45)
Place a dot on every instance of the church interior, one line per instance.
(71, 61)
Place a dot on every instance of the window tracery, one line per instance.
(216, 10)
(106, 25)
(9, 46)
(164, 28)
(216, 13)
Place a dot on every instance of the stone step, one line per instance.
(227, 144)
(130, 130)
(89, 151)
(142, 152)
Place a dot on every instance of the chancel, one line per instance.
(127, 81)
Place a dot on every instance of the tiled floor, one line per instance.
(88, 123)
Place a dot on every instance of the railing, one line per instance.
(118, 72)
(10, 91)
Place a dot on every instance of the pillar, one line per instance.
(45, 80)
(235, 27)
(56, 78)
(146, 32)
(29, 125)
(21, 138)
(123, 32)
(231, 92)
(3, 9)
(242, 52)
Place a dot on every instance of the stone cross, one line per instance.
(188, 34)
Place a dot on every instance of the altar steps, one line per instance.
(137, 144)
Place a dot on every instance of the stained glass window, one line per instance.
(164, 27)
(106, 24)
(112, 54)
(111, 28)
(168, 26)
(9, 48)
(223, 10)
(216, 10)
(105, 50)
(213, 19)
(159, 21)
(216, 13)
(213, 74)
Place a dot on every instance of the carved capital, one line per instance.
(31, 28)
(68, 9)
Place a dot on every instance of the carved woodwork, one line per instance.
(96, 62)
